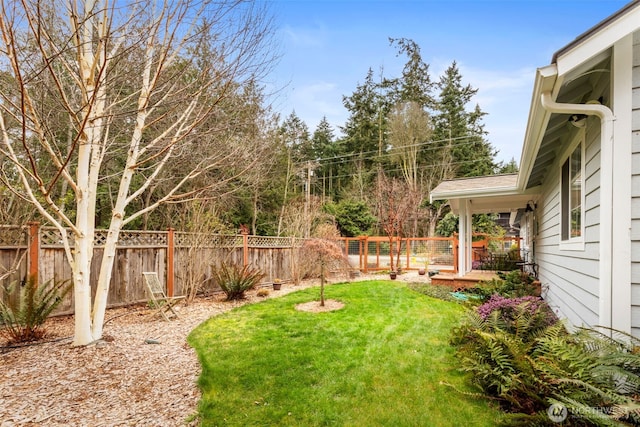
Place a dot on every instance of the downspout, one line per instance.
(606, 194)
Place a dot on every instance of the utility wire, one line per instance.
(374, 153)
(424, 167)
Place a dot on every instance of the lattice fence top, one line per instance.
(13, 236)
(273, 242)
(50, 236)
(134, 238)
(190, 240)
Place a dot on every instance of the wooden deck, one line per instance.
(468, 280)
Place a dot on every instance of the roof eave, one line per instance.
(545, 81)
(489, 192)
(462, 194)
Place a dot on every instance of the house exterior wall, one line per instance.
(570, 277)
(635, 189)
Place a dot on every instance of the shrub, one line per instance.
(509, 311)
(512, 284)
(235, 280)
(23, 316)
(528, 365)
(499, 361)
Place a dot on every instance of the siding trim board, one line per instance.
(622, 170)
(634, 273)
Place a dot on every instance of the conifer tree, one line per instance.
(461, 132)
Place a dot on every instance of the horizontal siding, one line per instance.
(635, 231)
(572, 277)
(635, 179)
(635, 291)
(635, 142)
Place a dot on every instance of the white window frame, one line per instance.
(572, 243)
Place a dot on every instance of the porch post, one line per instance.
(464, 238)
(469, 247)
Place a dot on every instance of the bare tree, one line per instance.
(142, 85)
(395, 203)
(409, 129)
(297, 219)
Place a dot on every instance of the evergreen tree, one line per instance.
(295, 135)
(325, 150)
(510, 167)
(415, 85)
(459, 131)
(363, 143)
(363, 128)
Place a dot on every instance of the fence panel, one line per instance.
(372, 253)
(139, 251)
(435, 253)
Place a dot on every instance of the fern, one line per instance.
(24, 315)
(517, 353)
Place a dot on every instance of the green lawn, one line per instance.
(379, 361)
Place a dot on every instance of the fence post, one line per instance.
(34, 251)
(245, 246)
(366, 254)
(408, 247)
(170, 257)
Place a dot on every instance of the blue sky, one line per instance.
(327, 47)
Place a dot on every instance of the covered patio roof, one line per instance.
(486, 194)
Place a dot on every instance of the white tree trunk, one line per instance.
(82, 289)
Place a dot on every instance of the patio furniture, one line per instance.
(159, 302)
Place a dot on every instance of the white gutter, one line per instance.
(606, 193)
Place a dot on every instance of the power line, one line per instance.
(424, 167)
(374, 153)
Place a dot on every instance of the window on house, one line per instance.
(571, 193)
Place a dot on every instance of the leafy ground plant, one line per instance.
(512, 284)
(517, 354)
(379, 361)
(24, 312)
(442, 292)
(235, 280)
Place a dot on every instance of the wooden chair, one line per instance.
(158, 300)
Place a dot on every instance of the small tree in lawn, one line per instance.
(325, 254)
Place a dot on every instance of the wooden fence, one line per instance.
(38, 252)
(177, 256)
